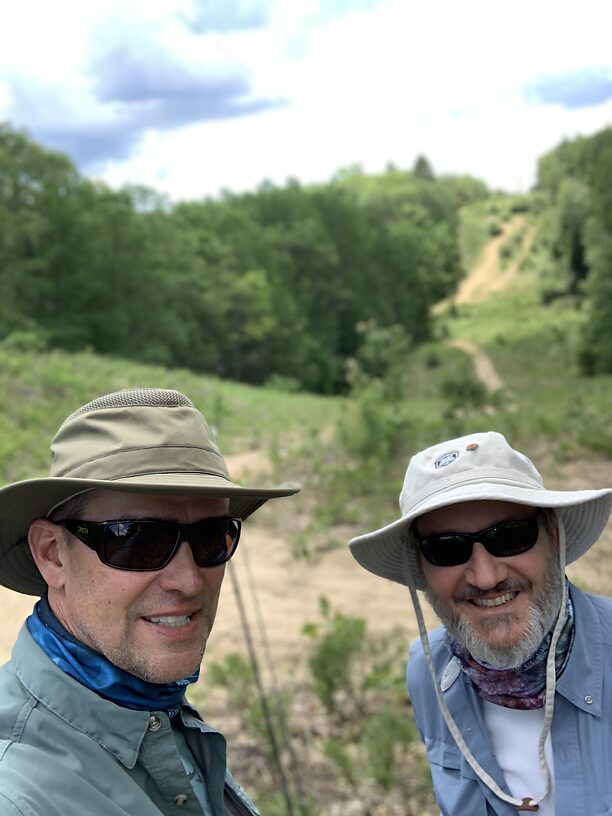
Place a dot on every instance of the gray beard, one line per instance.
(544, 611)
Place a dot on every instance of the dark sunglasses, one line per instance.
(143, 545)
(502, 540)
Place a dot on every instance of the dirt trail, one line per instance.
(487, 276)
(483, 365)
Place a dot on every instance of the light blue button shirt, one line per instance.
(581, 728)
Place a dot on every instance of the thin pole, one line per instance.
(295, 770)
(264, 702)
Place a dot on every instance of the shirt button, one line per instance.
(588, 699)
(180, 799)
(154, 723)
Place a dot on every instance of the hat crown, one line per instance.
(135, 432)
(130, 398)
(469, 460)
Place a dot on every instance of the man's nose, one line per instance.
(484, 570)
(182, 574)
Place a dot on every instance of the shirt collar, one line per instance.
(119, 730)
(582, 680)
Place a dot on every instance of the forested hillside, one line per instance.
(274, 285)
(266, 285)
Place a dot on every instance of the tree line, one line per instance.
(576, 178)
(265, 286)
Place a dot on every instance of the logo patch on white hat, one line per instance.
(446, 459)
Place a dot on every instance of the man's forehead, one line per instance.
(114, 504)
(471, 516)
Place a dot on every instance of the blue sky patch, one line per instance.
(579, 89)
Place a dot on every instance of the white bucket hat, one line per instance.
(476, 467)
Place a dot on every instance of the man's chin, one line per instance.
(497, 656)
(497, 648)
(504, 645)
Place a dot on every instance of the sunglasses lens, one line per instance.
(512, 538)
(149, 545)
(214, 541)
(504, 540)
(446, 550)
(139, 546)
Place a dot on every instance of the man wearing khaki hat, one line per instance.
(126, 543)
(512, 695)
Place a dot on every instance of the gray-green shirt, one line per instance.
(64, 750)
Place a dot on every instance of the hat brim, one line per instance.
(585, 514)
(22, 502)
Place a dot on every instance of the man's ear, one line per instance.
(46, 541)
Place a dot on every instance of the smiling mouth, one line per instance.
(170, 621)
(489, 603)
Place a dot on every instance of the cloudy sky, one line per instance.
(193, 96)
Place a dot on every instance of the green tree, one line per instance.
(596, 341)
(39, 193)
(422, 168)
(572, 211)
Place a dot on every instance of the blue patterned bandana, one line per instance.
(523, 687)
(97, 673)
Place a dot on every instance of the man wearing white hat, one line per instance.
(512, 695)
(126, 543)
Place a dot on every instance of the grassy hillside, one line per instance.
(38, 390)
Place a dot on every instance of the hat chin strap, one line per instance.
(528, 803)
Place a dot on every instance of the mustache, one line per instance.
(471, 592)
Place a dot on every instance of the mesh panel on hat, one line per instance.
(135, 397)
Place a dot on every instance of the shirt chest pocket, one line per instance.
(447, 756)
(457, 787)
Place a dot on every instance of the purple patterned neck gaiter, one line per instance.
(523, 687)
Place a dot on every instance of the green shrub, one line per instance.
(465, 394)
(359, 679)
(338, 643)
(337, 752)
(386, 738)
(29, 340)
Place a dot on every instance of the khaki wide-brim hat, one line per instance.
(478, 467)
(146, 440)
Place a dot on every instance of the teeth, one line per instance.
(489, 602)
(171, 620)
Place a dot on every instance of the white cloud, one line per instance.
(384, 82)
